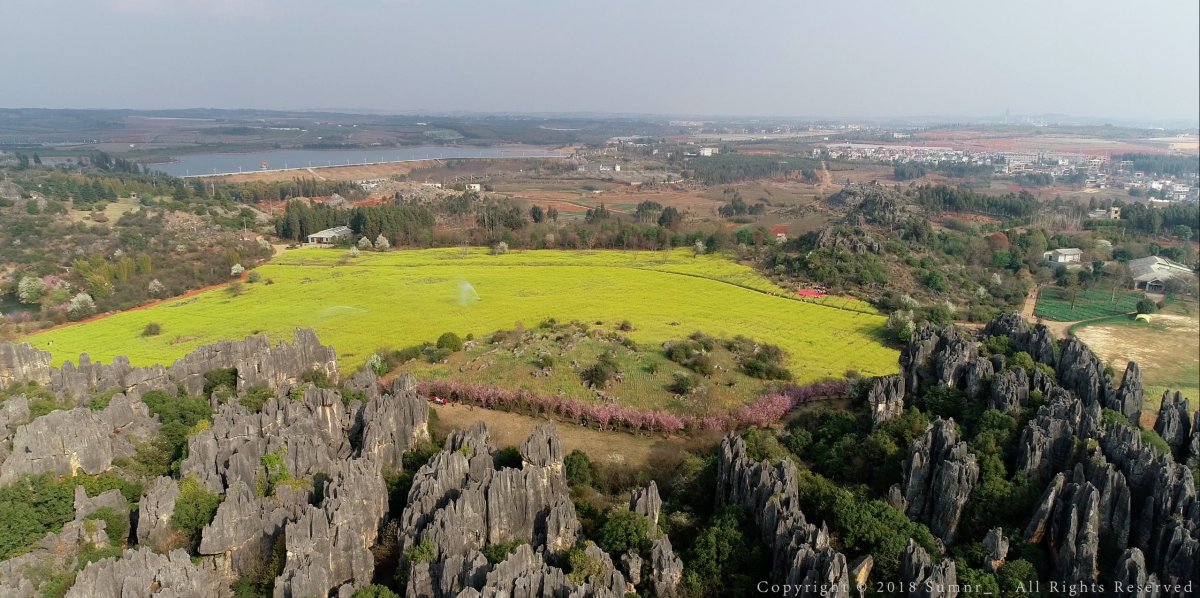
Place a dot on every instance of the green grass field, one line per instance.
(402, 298)
(1054, 303)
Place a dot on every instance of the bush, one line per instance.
(496, 553)
(622, 531)
(581, 566)
(116, 524)
(254, 277)
(81, 306)
(236, 270)
(579, 468)
(194, 509)
(683, 383)
(255, 398)
(1146, 306)
(152, 329)
(421, 553)
(451, 341)
(375, 591)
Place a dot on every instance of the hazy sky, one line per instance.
(1099, 58)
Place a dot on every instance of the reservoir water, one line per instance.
(210, 164)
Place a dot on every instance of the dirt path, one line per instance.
(1060, 329)
(510, 429)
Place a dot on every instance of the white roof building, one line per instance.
(1151, 274)
(330, 235)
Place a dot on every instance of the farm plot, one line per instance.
(1054, 303)
(403, 298)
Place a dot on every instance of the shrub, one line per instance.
(156, 288)
(354, 251)
(375, 591)
(500, 248)
(116, 524)
(683, 384)
(253, 277)
(599, 374)
(381, 243)
(579, 468)
(235, 288)
(81, 306)
(376, 364)
(581, 566)
(363, 243)
(508, 456)
(421, 553)
(451, 341)
(496, 553)
(622, 531)
(1146, 305)
(254, 398)
(626, 326)
(236, 270)
(194, 509)
(152, 329)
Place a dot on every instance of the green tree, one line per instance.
(194, 509)
(622, 531)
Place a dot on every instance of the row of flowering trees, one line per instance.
(766, 410)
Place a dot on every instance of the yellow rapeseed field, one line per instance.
(402, 298)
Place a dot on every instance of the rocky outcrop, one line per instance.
(86, 505)
(257, 362)
(886, 399)
(1010, 391)
(1128, 399)
(154, 512)
(801, 553)
(1047, 443)
(310, 434)
(996, 546)
(1068, 522)
(393, 423)
(1037, 341)
(63, 443)
(1131, 578)
(244, 531)
(646, 502)
(919, 577)
(1081, 372)
(22, 363)
(146, 573)
(459, 504)
(948, 357)
(1174, 424)
(329, 548)
(939, 476)
(666, 569)
(14, 411)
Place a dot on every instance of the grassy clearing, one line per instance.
(403, 298)
(550, 361)
(1054, 303)
(1166, 349)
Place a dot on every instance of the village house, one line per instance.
(329, 236)
(476, 187)
(1064, 256)
(1151, 274)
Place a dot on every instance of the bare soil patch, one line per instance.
(510, 429)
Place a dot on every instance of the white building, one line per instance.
(1151, 274)
(476, 187)
(1069, 255)
(329, 236)
(709, 151)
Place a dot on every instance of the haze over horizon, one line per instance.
(1098, 59)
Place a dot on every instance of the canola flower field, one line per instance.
(402, 298)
